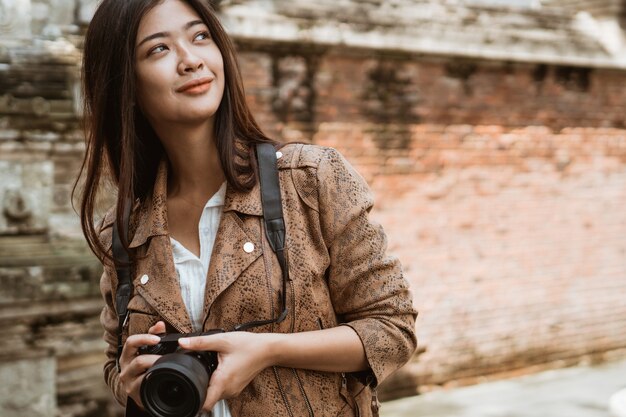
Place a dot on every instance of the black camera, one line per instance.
(176, 385)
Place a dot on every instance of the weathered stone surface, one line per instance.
(27, 388)
(49, 305)
(26, 196)
(600, 8)
(15, 18)
(451, 28)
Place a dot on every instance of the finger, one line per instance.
(213, 395)
(212, 342)
(137, 366)
(137, 340)
(133, 343)
(158, 328)
(133, 391)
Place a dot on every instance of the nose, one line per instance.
(189, 62)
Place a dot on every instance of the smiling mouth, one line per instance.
(196, 87)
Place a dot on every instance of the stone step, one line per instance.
(39, 250)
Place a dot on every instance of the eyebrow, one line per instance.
(187, 26)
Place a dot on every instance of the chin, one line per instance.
(191, 114)
(199, 110)
(201, 114)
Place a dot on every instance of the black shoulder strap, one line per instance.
(124, 285)
(270, 196)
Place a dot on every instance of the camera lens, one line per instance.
(175, 386)
(171, 393)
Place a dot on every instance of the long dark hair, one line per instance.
(120, 141)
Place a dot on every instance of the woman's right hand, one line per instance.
(134, 366)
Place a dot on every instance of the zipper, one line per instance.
(350, 401)
(344, 391)
(179, 330)
(306, 399)
(282, 392)
(375, 402)
(159, 318)
(292, 328)
(293, 306)
(320, 324)
(349, 397)
(293, 322)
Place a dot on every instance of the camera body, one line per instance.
(176, 385)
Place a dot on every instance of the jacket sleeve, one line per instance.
(367, 288)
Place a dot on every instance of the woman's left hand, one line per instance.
(241, 357)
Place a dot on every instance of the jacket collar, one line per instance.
(150, 219)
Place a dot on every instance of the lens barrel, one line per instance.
(175, 386)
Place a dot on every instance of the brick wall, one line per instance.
(501, 187)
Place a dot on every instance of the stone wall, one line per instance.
(40, 100)
(51, 360)
(498, 161)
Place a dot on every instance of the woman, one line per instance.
(167, 117)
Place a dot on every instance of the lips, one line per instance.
(197, 85)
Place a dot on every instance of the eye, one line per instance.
(202, 36)
(157, 49)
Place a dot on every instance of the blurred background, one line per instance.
(492, 132)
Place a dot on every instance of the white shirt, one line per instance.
(192, 271)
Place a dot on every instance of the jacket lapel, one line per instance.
(161, 288)
(150, 219)
(155, 274)
(237, 243)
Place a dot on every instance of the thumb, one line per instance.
(158, 328)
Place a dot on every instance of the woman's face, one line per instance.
(179, 69)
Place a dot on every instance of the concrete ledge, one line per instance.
(581, 391)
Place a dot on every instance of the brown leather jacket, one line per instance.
(340, 275)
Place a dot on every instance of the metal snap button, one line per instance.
(144, 279)
(279, 155)
(248, 247)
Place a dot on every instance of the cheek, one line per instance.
(151, 89)
(219, 69)
(216, 60)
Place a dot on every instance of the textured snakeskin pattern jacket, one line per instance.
(340, 275)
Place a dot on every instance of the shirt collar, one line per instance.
(218, 198)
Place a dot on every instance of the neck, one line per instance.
(195, 168)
